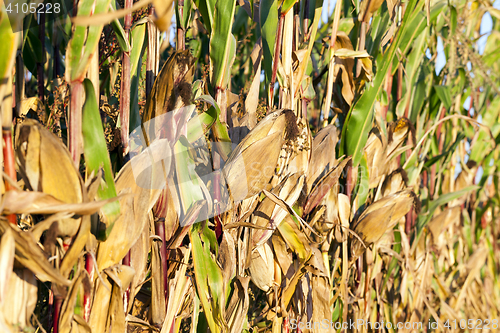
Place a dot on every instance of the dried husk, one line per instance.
(380, 217)
(261, 267)
(252, 164)
(323, 154)
(36, 151)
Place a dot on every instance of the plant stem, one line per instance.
(388, 89)
(361, 45)
(306, 21)
(20, 81)
(400, 83)
(331, 63)
(125, 85)
(57, 309)
(221, 99)
(277, 48)
(89, 267)
(75, 121)
(151, 60)
(160, 232)
(8, 151)
(181, 42)
(126, 295)
(296, 26)
(9, 165)
(39, 65)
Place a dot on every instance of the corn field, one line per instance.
(250, 166)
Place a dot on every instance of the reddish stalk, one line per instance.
(8, 151)
(160, 232)
(75, 7)
(400, 83)
(89, 267)
(181, 42)
(305, 103)
(125, 113)
(9, 164)
(277, 48)
(388, 90)
(57, 310)
(348, 182)
(125, 85)
(433, 167)
(126, 295)
(160, 213)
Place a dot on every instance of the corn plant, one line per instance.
(250, 166)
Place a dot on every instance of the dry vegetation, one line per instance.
(278, 169)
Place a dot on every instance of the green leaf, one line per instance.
(96, 152)
(207, 8)
(200, 124)
(221, 135)
(85, 40)
(287, 5)
(359, 119)
(7, 51)
(138, 37)
(208, 276)
(188, 180)
(363, 186)
(32, 52)
(447, 153)
(222, 43)
(346, 53)
(453, 19)
(444, 95)
(295, 238)
(436, 10)
(443, 199)
(120, 35)
(34, 46)
(184, 20)
(268, 16)
(415, 28)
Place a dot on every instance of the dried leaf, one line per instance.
(29, 254)
(252, 164)
(380, 217)
(262, 267)
(36, 151)
(323, 186)
(238, 305)
(172, 87)
(7, 251)
(22, 296)
(24, 202)
(68, 306)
